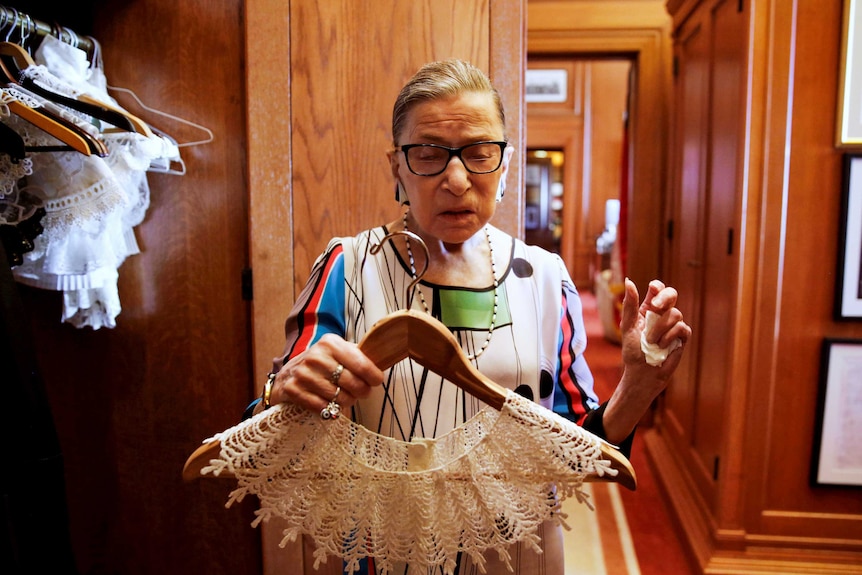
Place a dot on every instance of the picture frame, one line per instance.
(848, 285)
(849, 116)
(551, 86)
(837, 453)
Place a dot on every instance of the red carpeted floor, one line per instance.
(657, 545)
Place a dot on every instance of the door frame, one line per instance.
(593, 29)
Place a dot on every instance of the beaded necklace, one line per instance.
(493, 274)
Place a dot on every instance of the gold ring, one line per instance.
(267, 390)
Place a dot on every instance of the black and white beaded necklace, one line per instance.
(493, 274)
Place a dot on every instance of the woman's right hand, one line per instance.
(313, 378)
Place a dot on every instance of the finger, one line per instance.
(661, 327)
(351, 357)
(653, 290)
(630, 307)
(354, 372)
(343, 387)
(360, 373)
(664, 300)
(679, 330)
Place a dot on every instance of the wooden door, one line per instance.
(708, 107)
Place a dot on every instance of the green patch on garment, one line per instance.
(465, 309)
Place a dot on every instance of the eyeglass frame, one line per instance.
(453, 152)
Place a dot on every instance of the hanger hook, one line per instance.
(13, 20)
(31, 28)
(377, 247)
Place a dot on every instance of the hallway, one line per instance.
(648, 544)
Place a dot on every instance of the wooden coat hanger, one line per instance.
(423, 338)
(71, 135)
(75, 137)
(15, 59)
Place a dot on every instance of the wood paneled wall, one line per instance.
(757, 512)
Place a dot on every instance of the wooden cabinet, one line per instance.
(753, 202)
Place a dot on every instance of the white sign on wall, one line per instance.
(546, 86)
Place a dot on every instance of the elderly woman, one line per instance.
(512, 307)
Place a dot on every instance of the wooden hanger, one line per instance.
(423, 338)
(15, 59)
(139, 125)
(75, 137)
(71, 135)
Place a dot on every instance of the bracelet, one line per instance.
(267, 390)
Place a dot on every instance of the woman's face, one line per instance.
(455, 204)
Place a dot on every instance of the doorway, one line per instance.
(577, 162)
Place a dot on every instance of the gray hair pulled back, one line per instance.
(437, 80)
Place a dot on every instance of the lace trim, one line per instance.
(484, 486)
(13, 93)
(10, 173)
(40, 74)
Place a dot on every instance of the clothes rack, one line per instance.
(11, 19)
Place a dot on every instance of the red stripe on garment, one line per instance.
(574, 393)
(309, 312)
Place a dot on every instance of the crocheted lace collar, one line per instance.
(483, 486)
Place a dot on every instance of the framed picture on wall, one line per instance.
(546, 85)
(848, 287)
(837, 453)
(849, 133)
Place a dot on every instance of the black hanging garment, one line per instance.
(33, 510)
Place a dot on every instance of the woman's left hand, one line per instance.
(641, 382)
(666, 330)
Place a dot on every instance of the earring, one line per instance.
(501, 189)
(401, 195)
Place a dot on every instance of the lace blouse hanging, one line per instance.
(487, 484)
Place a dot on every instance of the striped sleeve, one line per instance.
(574, 396)
(320, 306)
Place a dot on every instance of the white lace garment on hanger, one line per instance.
(92, 203)
(485, 485)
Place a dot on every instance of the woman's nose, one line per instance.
(457, 179)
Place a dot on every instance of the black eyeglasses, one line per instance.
(431, 159)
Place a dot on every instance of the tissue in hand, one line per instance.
(654, 354)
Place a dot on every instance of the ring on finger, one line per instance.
(332, 410)
(336, 375)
